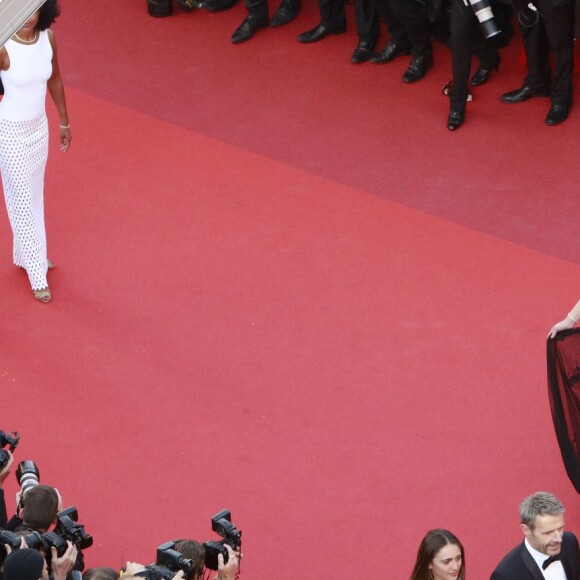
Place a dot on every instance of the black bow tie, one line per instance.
(551, 560)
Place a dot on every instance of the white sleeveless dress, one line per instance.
(24, 151)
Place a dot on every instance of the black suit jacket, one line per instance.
(519, 564)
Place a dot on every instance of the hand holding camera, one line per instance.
(62, 565)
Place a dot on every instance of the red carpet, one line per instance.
(284, 288)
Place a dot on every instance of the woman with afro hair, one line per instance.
(28, 67)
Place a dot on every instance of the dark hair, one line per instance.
(47, 14)
(40, 507)
(101, 574)
(193, 551)
(433, 541)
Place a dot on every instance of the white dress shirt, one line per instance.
(555, 571)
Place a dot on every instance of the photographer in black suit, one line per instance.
(550, 27)
(38, 513)
(547, 550)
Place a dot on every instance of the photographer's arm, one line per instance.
(63, 565)
(3, 475)
(15, 520)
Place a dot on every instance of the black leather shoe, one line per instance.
(219, 5)
(523, 94)
(362, 52)
(287, 11)
(320, 32)
(455, 120)
(557, 114)
(418, 68)
(481, 75)
(392, 50)
(188, 5)
(248, 27)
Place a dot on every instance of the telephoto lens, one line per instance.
(484, 14)
(27, 475)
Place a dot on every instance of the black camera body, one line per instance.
(154, 572)
(10, 439)
(68, 529)
(169, 562)
(212, 550)
(10, 539)
(222, 525)
(53, 540)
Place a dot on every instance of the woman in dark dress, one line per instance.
(467, 39)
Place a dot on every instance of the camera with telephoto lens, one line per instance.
(27, 475)
(68, 529)
(8, 539)
(32, 540)
(10, 439)
(169, 562)
(484, 15)
(221, 523)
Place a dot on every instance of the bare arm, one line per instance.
(571, 319)
(56, 90)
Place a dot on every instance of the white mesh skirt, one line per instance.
(23, 155)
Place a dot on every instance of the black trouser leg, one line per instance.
(537, 56)
(257, 8)
(462, 22)
(559, 28)
(395, 27)
(414, 20)
(332, 13)
(367, 20)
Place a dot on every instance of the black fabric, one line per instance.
(23, 565)
(332, 13)
(466, 39)
(3, 514)
(564, 393)
(551, 560)
(408, 25)
(554, 32)
(367, 20)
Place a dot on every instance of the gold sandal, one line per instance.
(43, 295)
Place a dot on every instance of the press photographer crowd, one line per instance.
(42, 540)
(470, 27)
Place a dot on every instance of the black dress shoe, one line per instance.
(455, 120)
(362, 52)
(248, 27)
(287, 11)
(481, 75)
(391, 51)
(188, 5)
(320, 32)
(523, 94)
(418, 68)
(557, 114)
(219, 5)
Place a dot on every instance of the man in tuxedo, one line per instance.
(547, 25)
(547, 552)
